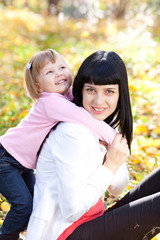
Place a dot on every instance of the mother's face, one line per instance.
(100, 100)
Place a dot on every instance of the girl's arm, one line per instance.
(58, 108)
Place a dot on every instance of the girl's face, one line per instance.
(55, 77)
(100, 100)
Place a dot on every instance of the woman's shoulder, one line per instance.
(74, 131)
(72, 127)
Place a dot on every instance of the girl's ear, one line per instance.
(39, 90)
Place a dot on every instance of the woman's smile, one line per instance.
(98, 110)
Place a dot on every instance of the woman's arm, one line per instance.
(120, 181)
(59, 108)
(114, 160)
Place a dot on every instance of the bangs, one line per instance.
(103, 74)
(103, 80)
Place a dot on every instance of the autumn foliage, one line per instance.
(23, 33)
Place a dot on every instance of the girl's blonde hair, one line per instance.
(32, 70)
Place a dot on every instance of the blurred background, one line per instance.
(76, 29)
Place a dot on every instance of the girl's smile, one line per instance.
(60, 82)
(100, 100)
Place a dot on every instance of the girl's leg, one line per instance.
(29, 179)
(148, 186)
(137, 220)
(14, 189)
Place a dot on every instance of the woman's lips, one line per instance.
(98, 110)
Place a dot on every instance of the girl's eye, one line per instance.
(49, 72)
(63, 67)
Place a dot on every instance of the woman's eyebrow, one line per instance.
(88, 85)
(110, 87)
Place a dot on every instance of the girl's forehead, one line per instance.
(50, 62)
(59, 58)
(47, 64)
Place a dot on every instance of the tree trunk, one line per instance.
(53, 7)
(121, 8)
(6, 3)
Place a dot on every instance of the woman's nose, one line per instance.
(99, 99)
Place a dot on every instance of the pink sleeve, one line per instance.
(58, 108)
(69, 95)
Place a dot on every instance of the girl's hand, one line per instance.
(116, 154)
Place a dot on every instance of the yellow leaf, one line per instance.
(137, 159)
(111, 29)
(133, 88)
(156, 130)
(23, 113)
(140, 129)
(5, 207)
(149, 142)
(1, 221)
(5, 109)
(85, 34)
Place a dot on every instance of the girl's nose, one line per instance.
(58, 73)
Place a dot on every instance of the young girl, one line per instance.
(70, 206)
(48, 80)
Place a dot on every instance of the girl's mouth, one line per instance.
(61, 81)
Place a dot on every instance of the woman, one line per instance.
(74, 169)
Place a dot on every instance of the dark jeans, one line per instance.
(16, 185)
(135, 217)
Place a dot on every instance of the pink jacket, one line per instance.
(24, 140)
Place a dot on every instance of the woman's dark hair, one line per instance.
(103, 68)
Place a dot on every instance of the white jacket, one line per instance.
(70, 180)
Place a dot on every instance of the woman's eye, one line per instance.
(90, 90)
(109, 91)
